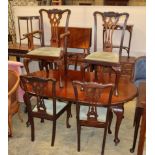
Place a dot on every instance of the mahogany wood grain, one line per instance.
(126, 88)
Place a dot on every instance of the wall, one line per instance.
(82, 16)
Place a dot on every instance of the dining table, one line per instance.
(127, 91)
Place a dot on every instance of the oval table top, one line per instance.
(127, 90)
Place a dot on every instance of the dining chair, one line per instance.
(13, 104)
(104, 34)
(92, 108)
(31, 23)
(139, 78)
(53, 44)
(42, 105)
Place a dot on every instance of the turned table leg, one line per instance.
(119, 111)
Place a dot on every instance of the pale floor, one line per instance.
(65, 142)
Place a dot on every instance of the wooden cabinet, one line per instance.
(127, 65)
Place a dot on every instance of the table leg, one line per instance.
(117, 70)
(119, 111)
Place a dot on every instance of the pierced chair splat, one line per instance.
(92, 108)
(41, 104)
(52, 52)
(107, 57)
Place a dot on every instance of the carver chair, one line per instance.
(53, 44)
(104, 26)
(139, 77)
(13, 104)
(41, 104)
(92, 108)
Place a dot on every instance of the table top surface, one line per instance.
(127, 90)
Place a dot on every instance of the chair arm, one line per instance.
(64, 34)
(30, 36)
(62, 39)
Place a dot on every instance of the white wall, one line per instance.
(82, 16)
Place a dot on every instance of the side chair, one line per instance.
(41, 104)
(52, 52)
(104, 30)
(92, 108)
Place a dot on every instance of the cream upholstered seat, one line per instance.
(46, 51)
(103, 56)
(101, 111)
(49, 106)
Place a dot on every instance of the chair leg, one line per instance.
(137, 122)
(32, 129)
(10, 125)
(78, 136)
(68, 116)
(53, 133)
(42, 120)
(19, 113)
(118, 73)
(110, 121)
(104, 140)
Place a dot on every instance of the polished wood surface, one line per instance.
(126, 88)
(79, 37)
(142, 100)
(127, 91)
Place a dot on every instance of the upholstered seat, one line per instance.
(49, 106)
(101, 111)
(46, 51)
(103, 56)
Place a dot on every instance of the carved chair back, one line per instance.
(30, 22)
(37, 87)
(109, 21)
(56, 19)
(93, 94)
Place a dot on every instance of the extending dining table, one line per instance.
(127, 91)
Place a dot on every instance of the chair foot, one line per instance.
(28, 124)
(132, 150)
(109, 132)
(9, 135)
(116, 141)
